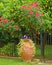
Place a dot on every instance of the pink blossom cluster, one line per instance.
(6, 21)
(35, 5)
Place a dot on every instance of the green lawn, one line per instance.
(48, 53)
(4, 61)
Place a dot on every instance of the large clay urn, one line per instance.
(27, 51)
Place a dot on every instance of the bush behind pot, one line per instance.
(9, 50)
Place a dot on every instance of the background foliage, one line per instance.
(10, 10)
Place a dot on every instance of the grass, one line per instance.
(4, 61)
(48, 53)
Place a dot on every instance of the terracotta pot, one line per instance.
(27, 52)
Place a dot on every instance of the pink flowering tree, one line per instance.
(33, 15)
(13, 17)
(34, 20)
(8, 30)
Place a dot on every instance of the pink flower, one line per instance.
(24, 7)
(31, 12)
(17, 28)
(5, 20)
(42, 14)
(35, 4)
(37, 14)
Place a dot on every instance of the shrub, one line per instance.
(15, 14)
(9, 49)
(10, 29)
